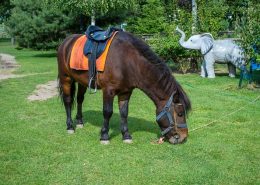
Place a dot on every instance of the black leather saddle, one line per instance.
(94, 47)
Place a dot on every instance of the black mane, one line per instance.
(165, 78)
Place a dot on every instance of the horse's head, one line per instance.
(172, 121)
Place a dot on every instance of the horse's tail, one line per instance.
(72, 91)
(63, 55)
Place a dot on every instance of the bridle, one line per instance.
(171, 120)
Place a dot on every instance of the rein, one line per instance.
(167, 111)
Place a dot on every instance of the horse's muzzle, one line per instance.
(176, 139)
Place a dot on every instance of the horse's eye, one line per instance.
(180, 114)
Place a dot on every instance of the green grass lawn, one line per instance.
(36, 149)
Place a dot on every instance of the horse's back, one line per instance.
(66, 46)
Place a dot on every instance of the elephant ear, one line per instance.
(207, 43)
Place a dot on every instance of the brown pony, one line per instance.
(130, 64)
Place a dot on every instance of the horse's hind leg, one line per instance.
(108, 99)
(68, 91)
(123, 101)
(80, 98)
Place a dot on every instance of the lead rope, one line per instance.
(161, 139)
(203, 126)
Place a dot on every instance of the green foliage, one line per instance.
(168, 47)
(149, 18)
(99, 8)
(248, 27)
(5, 10)
(37, 25)
(160, 19)
(212, 16)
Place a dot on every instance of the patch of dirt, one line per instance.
(7, 66)
(44, 91)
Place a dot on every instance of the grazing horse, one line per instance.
(130, 64)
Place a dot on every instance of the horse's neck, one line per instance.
(154, 88)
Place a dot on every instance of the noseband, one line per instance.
(167, 111)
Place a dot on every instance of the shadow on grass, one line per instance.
(134, 124)
(46, 55)
(223, 74)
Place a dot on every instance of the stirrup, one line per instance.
(89, 86)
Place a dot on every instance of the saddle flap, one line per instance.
(90, 49)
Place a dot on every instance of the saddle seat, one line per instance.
(99, 37)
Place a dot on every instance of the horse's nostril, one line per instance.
(180, 114)
(176, 136)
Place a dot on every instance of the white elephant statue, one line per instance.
(220, 51)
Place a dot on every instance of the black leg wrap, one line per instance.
(70, 125)
(79, 120)
(104, 137)
(104, 134)
(126, 135)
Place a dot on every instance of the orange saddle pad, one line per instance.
(79, 61)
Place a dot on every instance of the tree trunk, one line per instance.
(194, 16)
(13, 40)
(93, 18)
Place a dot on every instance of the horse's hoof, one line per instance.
(79, 125)
(104, 142)
(70, 131)
(128, 141)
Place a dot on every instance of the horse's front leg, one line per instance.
(123, 101)
(108, 99)
(80, 98)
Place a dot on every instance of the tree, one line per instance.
(212, 16)
(149, 18)
(194, 16)
(94, 8)
(37, 25)
(247, 24)
(5, 10)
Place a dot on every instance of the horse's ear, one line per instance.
(207, 42)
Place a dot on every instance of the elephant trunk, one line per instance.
(182, 39)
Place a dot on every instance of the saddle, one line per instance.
(94, 47)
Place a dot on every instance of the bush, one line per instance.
(168, 48)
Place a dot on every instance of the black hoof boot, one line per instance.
(127, 138)
(70, 127)
(104, 139)
(80, 123)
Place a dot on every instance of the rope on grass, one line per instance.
(203, 126)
